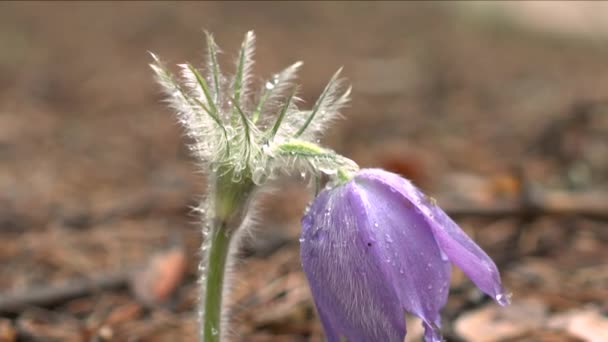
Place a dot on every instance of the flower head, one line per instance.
(247, 133)
(375, 248)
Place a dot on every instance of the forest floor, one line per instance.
(506, 128)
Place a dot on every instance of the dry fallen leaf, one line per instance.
(155, 283)
(7, 331)
(495, 323)
(587, 324)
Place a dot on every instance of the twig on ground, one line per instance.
(57, 294)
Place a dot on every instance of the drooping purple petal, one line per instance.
(377, 247)
(467, 255)
(370, 257)
(413, 262)
(352, 296)
(456, 245)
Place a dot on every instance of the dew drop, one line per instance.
(303, 174)
(302, 240)
(376, 224)
(430, 287)
(503, 299)
(214, 332)
(269, 85)
(388, 238)
(401, 271)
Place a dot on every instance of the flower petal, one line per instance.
(412, 259)
(351, 293)
(456, 245)
(467, 255)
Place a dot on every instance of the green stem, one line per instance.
(217, 257)
(228, 206)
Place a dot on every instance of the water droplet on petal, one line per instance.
(503, 299)
(388, 238)
(376, 224)
(269, 85)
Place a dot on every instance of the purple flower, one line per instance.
(376, 247)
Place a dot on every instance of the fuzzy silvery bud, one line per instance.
(250, 134)
(374, 248)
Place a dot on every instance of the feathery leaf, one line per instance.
(247, 126)
(244, 67)
(205, 88)
(326, 101)
(213, 65)
(277, 123)
(276, 87)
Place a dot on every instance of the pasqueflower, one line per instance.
(374, 248)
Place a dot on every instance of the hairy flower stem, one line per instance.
(219, 246)
(229, 204)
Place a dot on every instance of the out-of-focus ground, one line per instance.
(498, 110)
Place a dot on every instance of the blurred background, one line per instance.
(497, 109)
